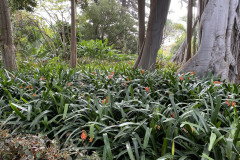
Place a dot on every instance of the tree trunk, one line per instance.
(6, 38)
(220, 46)
(64, 40)
(141, 23)
(189, 30)
(179, 56)
(73, 57)
(157, 19)
(124, 3)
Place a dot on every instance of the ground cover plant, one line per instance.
(123, 113)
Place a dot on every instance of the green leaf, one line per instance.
(173, 148)
(107, 146)
(146, 138)
(171, 97)
(135, 143)
(92, 131)
(65, 111)
(8, 93)
(15, 108)
(216, 110)
(130, 152)
(37, 121)
(206, 156)
(212, 140)
(229, 148)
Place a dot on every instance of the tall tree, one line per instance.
(157, 19)
(27, 5)
(219, 40)
(124, 3)
(73, 56)
(141, 23)
(189, 30)
(117, 28)
(6, 37)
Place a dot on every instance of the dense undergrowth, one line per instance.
(122, 113)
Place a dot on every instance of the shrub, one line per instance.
(95, 49)
(122, 113)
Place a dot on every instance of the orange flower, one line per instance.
(125, 84)
(227, 103)
(105, 100)
(233, 104)
(34, 95)
(69, 84)
(128, 79)
(192, 73)
(21, 87)
(173, 115)
(181, 78)
(94, 73)
(217, 82)
(29, 87)
(84, 135)
(112, 73)
(143, 71)
(129, 62)
(109, 77)
(42, 78)
(147, 89)
(90, 139)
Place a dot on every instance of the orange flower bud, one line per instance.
(84, 135)
(147, 89)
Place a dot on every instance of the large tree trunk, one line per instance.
(6, 37)
(189, 30)
(73, 57)
(220, 46)
(157, 19)
(141, 23)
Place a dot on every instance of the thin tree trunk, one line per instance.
(194, 42)
(157, 19)
(141, 21)
(219, 48)
(73, 57)
(6, 38)
(64, 40)
(124, 3)
(181, 52)
(189, 30)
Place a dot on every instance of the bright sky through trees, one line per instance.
(177, 11)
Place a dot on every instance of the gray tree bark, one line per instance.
(141, 23)
(220, 46)
(73, 56)
(157, 19)
(6, 38)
